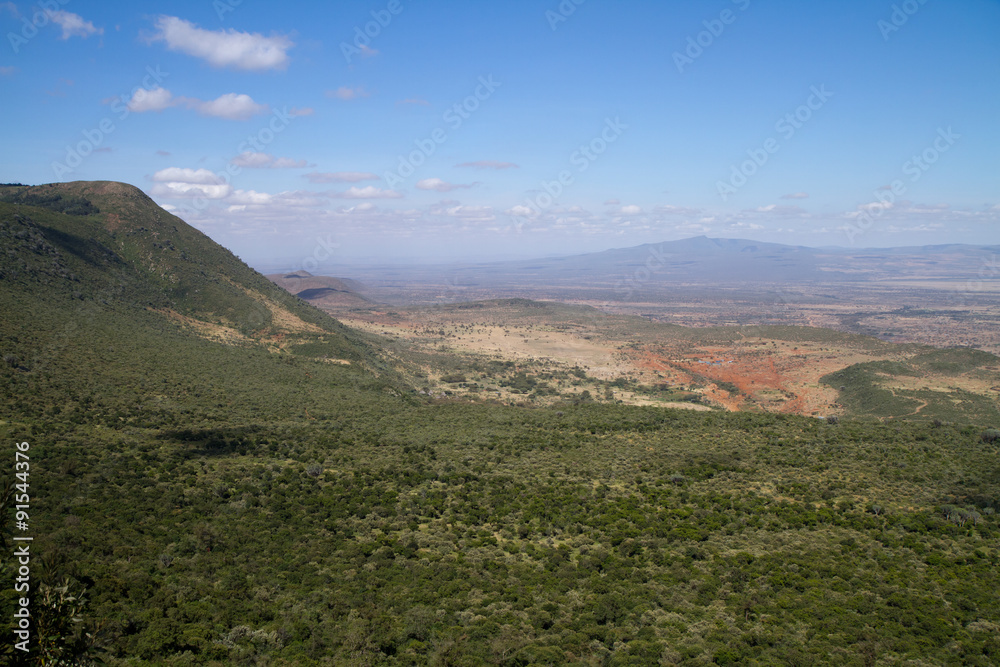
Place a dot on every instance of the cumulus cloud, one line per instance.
(346, 93)
(224, 48)
(253, 160)
(182, 183)
(875, 206)
(521, 211)
(631, 209)
(466, 213)
(796, 195)
(488, 164)
(774, 209)
(296, 112)
(438, 185)
(341, 177)
(156, 99)
(667, 209)
(367, 192)
(73, 25)
(231, 106)
(185, 175)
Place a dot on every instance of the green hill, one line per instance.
(927, 386)
(209, 486)
(114, 227)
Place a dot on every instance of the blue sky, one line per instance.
(326, 134)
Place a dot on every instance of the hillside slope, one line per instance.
(115, 296)
(171, 263)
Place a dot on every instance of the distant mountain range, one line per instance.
(704, 260)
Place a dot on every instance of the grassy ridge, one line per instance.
(870, 389)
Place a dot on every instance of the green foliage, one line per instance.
(865, 388)
(195, 502)
(45, 197)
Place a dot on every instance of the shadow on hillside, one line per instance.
(215, 441)
(87, 250)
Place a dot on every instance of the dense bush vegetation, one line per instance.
(195, 502)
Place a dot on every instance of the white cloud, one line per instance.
(184, 175)
(367, 192)
(346, 93)
(224, 48)
(488, 164)
(181, 183)
(874, 207)
(178, 190)
(73, 25)
(438, 185)
(367, 51)
(452, 209)
(521, 211)
(231, 106)
(667, 209)
(252, 160)
(796, 195)
(289, 163)
(156, 99)
(631, 209)
(341, 177)
(243, 197)
(774, 209)
(296, 112)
